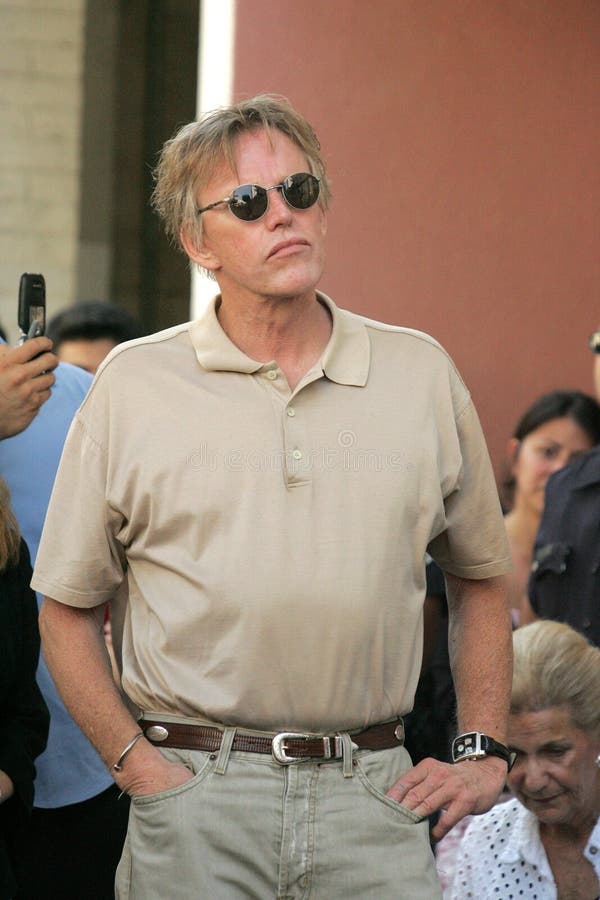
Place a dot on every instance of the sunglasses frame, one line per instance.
(231, 200)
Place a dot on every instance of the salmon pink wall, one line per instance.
(462, 143)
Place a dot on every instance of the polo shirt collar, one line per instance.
(345, 360)
(347, 356)
(214, 350)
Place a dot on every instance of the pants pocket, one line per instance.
(378, 771)
(200, 764)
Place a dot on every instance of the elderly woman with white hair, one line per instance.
(545, 843)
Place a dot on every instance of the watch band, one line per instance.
(594, 342)
(476, 745)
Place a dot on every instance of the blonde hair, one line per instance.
(9, 531)
(189, 159)
(554, 665)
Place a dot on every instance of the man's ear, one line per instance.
(195, 247)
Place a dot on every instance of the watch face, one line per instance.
(467, 746)
(467, 743)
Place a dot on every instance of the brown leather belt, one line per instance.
(285, 747)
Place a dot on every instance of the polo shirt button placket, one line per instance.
(294, 440)
(296, 472)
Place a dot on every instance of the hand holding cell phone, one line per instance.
(25, 381)
(26, 371)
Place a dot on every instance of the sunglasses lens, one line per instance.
(301, 190)
(248, 202)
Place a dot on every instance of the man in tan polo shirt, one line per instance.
(268, 479)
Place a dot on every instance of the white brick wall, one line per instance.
(41, 59)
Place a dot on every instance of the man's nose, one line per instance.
(279, 212)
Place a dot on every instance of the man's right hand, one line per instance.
(147, 771)
(25, 381)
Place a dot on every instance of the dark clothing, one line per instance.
(23, 713)
(565, 574)
(55, 860)
(431, 725)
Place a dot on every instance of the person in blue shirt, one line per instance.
(78, 825)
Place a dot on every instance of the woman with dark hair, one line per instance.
(555, 430)
(23, 714)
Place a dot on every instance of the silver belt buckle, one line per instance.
(279, 741)
(280, 756)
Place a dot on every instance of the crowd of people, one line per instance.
(251, 736)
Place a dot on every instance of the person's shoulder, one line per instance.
(399, 344)
(400, 332)
(588, 465)
(131, 351)
(73, 378)
(352, 321)
(581, 473)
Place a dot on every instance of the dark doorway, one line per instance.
(140, 76)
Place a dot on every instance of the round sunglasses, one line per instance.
(249, 202)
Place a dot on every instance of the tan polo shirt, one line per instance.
(273, 541)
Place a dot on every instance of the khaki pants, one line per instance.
(246, 827)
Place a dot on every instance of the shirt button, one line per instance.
(297, 454)
(593, 850)
(291, 412)
(272, 374)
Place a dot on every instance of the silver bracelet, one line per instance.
(119, 763)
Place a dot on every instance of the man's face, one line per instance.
(282, 254)
(84, 353)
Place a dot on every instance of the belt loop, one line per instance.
(347, 748)
(225, 750)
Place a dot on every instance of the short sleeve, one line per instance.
(474, 543)
(80, 562)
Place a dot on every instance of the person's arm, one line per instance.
(76, 656)
(25, 383)
(481, 658)
(24, 715)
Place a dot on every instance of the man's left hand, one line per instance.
(471, 786)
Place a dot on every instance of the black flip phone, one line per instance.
(32, 306)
